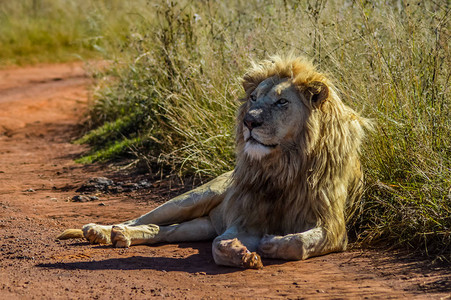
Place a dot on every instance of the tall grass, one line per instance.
(170, 98)
(173, 99)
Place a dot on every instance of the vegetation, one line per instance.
(170, 97)
(33, 31)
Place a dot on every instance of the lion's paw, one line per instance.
(268, 246)
(97, 234)
(233, 253)
(252, 260)
(120, 237)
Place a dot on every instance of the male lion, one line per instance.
(297, 168)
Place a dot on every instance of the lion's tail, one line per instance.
(70, 234)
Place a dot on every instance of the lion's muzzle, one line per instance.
(253, 119)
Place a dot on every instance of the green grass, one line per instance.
(37, 31)
(170, 96)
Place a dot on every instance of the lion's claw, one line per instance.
(252, 260)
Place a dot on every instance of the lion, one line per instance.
(297, 169)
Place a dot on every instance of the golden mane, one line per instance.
(309, 184)
(299, 69)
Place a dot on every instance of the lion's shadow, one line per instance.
(195, 263)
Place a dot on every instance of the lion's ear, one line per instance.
(317, 92)
(248, 84)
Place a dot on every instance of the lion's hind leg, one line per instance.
(123, 236)
(196, 203)
(191, 205)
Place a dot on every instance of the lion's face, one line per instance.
(274, 116)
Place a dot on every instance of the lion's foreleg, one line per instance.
(123, 236)
(234, 248)
(297, 246)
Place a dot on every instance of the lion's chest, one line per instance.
(266, 211)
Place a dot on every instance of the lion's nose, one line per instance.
(251, 121)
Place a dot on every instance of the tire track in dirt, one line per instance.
(40, 108)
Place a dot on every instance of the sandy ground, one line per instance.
(40, 108)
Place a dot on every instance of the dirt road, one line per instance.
(39, 111)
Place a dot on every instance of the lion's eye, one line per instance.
(253, 98)
(282, 102)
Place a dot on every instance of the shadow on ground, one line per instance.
(195, 263)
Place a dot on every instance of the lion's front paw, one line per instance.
(251, 260)
(120, 237)
(288, 247)
(233, 253)
(97, 234)
(269, 246)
